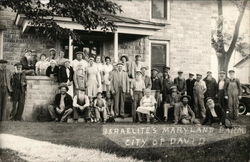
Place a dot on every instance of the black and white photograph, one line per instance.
(124, 80)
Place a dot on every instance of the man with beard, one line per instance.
(180, 83)
(18, 83)
(81, 105)
(190, 86)
(63, 105)
(211, 85)
(221, 90)
(5, 87)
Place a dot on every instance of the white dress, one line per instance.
(92, 82)
(106, 69)
(100, 70)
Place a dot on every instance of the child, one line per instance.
(100, 108)
(147, 106)
(42, 65)
(110, 104)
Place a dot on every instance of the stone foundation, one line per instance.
(41, 91)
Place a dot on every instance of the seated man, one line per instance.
(147, 106)
(184, 113)
(62, 107)
(215, 114)
(171, 101)
(81, 105)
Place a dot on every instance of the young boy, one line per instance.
(110, 104)
(137, 88)
(147, 105)
(100, 108)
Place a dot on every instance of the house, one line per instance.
(242, 69)
(164, 32)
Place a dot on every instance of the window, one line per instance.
(1, 44)
(160, 9)
(159, 54)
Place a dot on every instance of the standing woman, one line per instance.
(92, 79)
(42, 65)
(99, 66)
(60, 59)
(124, 60)
(107, 68)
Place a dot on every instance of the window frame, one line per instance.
(164, 42)
(166, 6)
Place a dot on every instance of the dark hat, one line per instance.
(2, 61)
(91, 58)
(208, 98)
(137, 56)
(119, 63)
(18, 64)
(79, 52)
(154, 69)
(191, 74)
(27, 50)
(166, 68)
(138, 72)
(52, 49)
(173, 88)
(198, 75)
(231, 71)
(209, 72)
(222, 72)
(180, 72)
(63, 85)
(126, 57)
(107, 57)
(187, 96)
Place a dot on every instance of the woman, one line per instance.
(124, 60)
(99, 66)
(60, 59)
(42, 65)
(92, 79)
(52, 70)
(80, 77)
(107, 68)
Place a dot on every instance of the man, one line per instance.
(146, 78)
(5, 88)
(137, 89)
(180, 82)
(215, 114)
(211, 85)
(221, 90)
(190, 89)
(233, 94)
(199, 91)
(156, 85)
(81, 105)
(63, 105)
(27, 63)
(135, 66)
(79, 66)
(18, 83)
(119, 86)
(184, 114)
(171, 102)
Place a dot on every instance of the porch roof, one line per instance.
(124, 24)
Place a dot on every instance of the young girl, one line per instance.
(147, 105)
(100, 108)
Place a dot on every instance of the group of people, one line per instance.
(97, 90)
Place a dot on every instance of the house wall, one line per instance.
(243, 72)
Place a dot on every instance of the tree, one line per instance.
(218, 40)
(89, 13)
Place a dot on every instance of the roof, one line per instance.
(242, 61)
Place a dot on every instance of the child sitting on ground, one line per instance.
(100, 108)
(147, 106)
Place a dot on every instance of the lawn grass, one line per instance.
(7, 155)
(90, 136)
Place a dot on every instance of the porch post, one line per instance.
(116, 46)
(70, 49)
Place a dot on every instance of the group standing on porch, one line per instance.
(98, 90)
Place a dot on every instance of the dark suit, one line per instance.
(221, 116)
(190, 90)
(181, 85)
(211, 88)
(62, 75)
(68, 110)
(50, 71)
